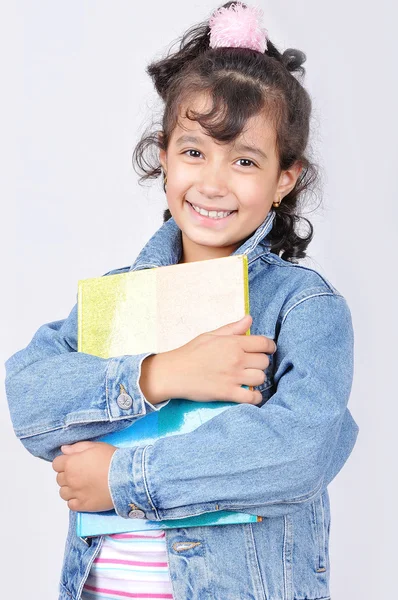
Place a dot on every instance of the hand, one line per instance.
(83, 475)
(215, 365)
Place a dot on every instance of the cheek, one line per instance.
(180, 171)
(256, 190)
(179, 183)
(252, 197)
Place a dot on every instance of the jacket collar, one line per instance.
(165, 246)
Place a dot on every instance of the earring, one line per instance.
(277, 203)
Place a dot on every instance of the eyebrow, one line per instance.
(187, 138)
(252, 149)
(239, 147)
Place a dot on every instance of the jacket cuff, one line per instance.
(124, 396)
(127, 485)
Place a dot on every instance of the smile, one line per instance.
(212, 214)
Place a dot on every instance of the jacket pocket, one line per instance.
(321, 525)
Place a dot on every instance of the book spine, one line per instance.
(80, 288)
(245, 264)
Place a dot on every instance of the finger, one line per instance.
(253, 377)
(256, 360)
(74, 504)
(235, 327)
(258, 343)
(61, 479)
(59, 463)
(77, 447)
(245, 396)
(66, 493)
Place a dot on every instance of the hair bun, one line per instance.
(193, 42)
(293, 60)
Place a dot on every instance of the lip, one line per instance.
(208, 221)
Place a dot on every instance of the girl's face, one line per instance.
(241, 176)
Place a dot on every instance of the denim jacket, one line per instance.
(275, 459)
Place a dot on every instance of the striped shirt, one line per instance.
(130, 565)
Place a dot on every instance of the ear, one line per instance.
(162, 155)
(288, 179)
(163, 159)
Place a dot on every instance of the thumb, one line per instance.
(236, 327)
(77, 447)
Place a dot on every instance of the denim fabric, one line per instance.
(274, 460)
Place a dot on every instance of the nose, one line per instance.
(212, 181)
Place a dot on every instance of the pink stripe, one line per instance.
(130, 562)
(127, 594)
(121, 536)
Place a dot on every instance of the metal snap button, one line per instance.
(136, 514)
(124, 401)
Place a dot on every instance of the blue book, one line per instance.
(178, 416)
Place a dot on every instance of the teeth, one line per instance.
(213, 214)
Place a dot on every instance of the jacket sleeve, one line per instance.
(57, 395)
(264, 460)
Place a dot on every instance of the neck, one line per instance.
(192, 252)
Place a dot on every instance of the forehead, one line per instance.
(258, 129)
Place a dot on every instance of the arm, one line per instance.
(264, 461)
(57, 395)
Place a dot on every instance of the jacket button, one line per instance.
(136, 514)
(124, 401)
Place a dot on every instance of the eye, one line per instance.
(247, 160)
(191, 150)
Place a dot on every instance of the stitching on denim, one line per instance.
(320, 538)
(283, 558)
(303, 300)
(144, 479)
(89, 565)
(107, 389)
(209, 581)
(298, 500)
(194, 514)
(256, 559)
(253, 258)
(25, 434)
(277, 260)
(323, 556)
(316, 530)
(287, 558)
(259, 235)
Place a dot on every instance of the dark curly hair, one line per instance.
(229, 75)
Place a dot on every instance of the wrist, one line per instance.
(153, 378)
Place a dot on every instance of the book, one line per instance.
(157, 310)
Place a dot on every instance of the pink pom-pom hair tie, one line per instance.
(238, 27)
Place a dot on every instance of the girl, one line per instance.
(232, 150)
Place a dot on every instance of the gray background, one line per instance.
(74, 101)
